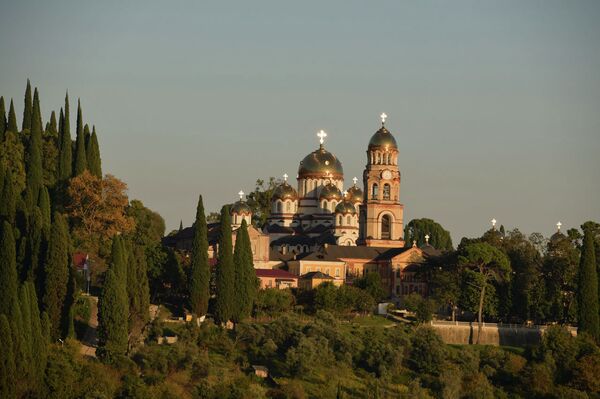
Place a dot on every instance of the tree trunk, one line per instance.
(479, 316)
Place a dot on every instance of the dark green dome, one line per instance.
(284, 191)
(321, 163)
(355, 194)
(330, 192)
(345, 207)
(383, 138)
(241, 207)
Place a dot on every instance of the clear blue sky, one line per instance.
(495, 104)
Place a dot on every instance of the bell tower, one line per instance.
(381, 214)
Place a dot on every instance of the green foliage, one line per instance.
(80, 157)
(8, 270)
(27, 110)
(587, 294)
(35, 174)
(56, 274)
(225, 279)
(417, 229)
(371, 283)
(427, 351)
(11, 124)
(7, 360)
(273, 301)
(12, 157)
(199, 277)
(94, 162)
(260, 200)
(344, 299)
(3, 120)
(65, 163)
(245, 281)
(422, 307)
(113, 312)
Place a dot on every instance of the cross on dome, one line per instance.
(383, 117)
(494, 221)
(241, 194)
(355, 180)
(285, 176)
(321, 135)
(427, 238)
(558, 225)
(345, 193)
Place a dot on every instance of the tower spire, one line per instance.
(321, 135)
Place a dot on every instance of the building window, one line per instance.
(375, 191)
(348, 220)
(386, 227)
(337, 271)
(340, 220)
(288, 207)
(386, 191)
(278, 207)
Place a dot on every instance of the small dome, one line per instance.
(321, 163)
(345, 207)
(556, 237)
(383, 138)
(330, 192)
(284, 191)
(355, 194)
(241, 207)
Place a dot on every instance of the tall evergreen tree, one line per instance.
(7, 360)
(93, 155)
(8, 199)
(36, 112)
(3, 120)
(39, 342)
(225, 281)
(65, 166)
(27, 110)
(52, 129)
(56, 274)
(35, 238)
(26, 332)
(199, 278)
(587, 293)
(45, 208)
(113, 310)
(80, 158)
(245, 276)
(35, 173)
(8, 270)
(11, 125)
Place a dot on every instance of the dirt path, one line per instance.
(90, 339)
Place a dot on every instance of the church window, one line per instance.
(278, 207)
(327, 271)
(348, 220)
(375, 191)
(386, 228)
(386, 191)
(340, 220)
(288, 206)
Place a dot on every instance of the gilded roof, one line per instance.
(345, 207)
(330, 191)
(383, 138)
(321, 163)
(355, 194)
(284, 191)
(241, 207)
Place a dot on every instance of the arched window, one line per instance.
(348, 220)
(386, 227)
(386, 191)
(375, 191)
(278, 207)
(340, 220)
(288, 206)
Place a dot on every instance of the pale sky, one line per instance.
(495, 105)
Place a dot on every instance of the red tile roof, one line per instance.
(79, 259)
(276, 273)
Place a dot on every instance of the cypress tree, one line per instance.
(7, 360)
(225, 301)
(8, 199)
(3, 120)
(35, 173)
(16, 322)
(45, 208)
(80, 159)
(93, 155)
(245, 276)
(61, 121)
(26, 332)
(587, 293)
(12, 119)
(143, 285)
(27, 110)
(112, 319)
(46, 328)
(65, 166)
(35, 237)
(199, 279)
(52, 129)
(118, 259)
(36, 117)
(56, 274)
(39, 343)
(8, 270)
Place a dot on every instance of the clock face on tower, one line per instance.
(386, 174)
